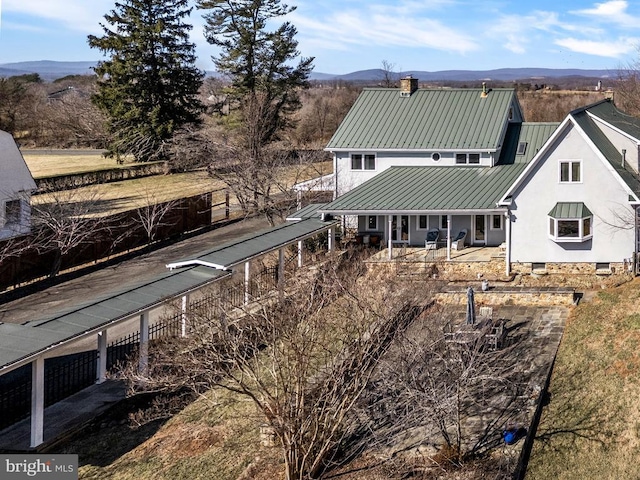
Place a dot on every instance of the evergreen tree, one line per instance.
(265, 90)
(258, 62)
(148, 87)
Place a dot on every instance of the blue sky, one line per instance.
(349, 35)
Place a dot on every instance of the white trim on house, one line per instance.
(505, 200)
(613, 127)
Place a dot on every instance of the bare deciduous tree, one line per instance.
(304, 360)
(389, 77)
(151, 214)
(66, 220)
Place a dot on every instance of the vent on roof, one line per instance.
(522, 147)
(408, 85)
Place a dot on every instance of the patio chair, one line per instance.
(431, 241)
(458, 242)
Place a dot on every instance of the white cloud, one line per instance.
(614, 11)
(377, 26)
(611, 49)
(79, 15)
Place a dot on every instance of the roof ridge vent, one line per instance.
(408, 85)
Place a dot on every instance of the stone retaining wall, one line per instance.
(538, 297)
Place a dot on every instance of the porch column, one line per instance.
(280, 270)
(247, 279)
(332, 238)
(507, 253)
(37, 401)
(448, 237)
(183, 315)
(143, 362)
(390, 243)
(101, 373)
(300, 246)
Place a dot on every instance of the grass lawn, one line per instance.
(591, 426)
(110, 198)
(215, 437)
(115, 197)
(47, 165)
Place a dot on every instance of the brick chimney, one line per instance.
(408, 85)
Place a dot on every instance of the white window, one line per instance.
(372, 222)
(570, 222)
(496, 222)
(363, 162)
(422, 222)
(471, 158)
(570, 171)
(443, 222)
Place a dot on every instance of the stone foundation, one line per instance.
(578, 275)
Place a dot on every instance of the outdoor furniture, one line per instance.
(496, 336)
(458, 242)
(431, 241)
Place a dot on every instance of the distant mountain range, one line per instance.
(51, 70)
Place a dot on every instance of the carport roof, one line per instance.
(251, 246)
(20, 343)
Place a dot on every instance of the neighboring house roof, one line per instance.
(429, 119)
(14, 174)
(427, 189)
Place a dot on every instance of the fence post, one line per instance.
(143, 362)
(183, 316)
(101, 374)
(247, 277)
(37, 401)
(300, 246)
(332, 238)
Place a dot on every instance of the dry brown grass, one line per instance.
(115, 197)
(43, 165)
(590, 428)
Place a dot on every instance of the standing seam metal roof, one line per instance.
(430, 119)
(19, 343)
(608, 150)
(251, 246)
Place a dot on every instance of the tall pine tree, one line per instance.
(266, 81)
(148, 87)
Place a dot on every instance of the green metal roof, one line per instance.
(608, 112)
(423, 189)
(19, 343)
(250, 246)
(429, 119)
(570, 210)
(608, 150)
(310, 211)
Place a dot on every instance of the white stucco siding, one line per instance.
(599, 190)
(621, 141)
(347, 179)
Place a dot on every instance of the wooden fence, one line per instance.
(115, 235)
